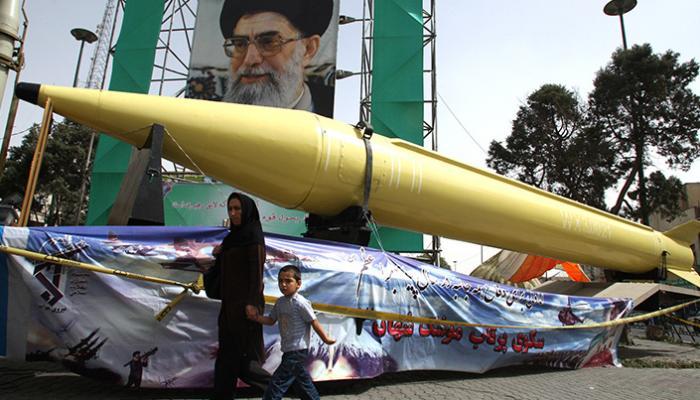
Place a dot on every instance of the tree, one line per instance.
(664, 196)
(642, 102)
(61, 174)
(553, 146)
(641, 105)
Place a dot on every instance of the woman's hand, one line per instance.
(251, 312)
(216, 250)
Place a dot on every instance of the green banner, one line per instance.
(397, 89)
(131, 72)
(204, 204)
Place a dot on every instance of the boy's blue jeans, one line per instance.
(291, 368)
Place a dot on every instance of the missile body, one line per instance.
(300, 160)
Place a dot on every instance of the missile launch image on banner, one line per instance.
(300, 160)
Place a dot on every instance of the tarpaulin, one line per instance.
(94, 322)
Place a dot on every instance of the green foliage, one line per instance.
(641, 105)
(427, 257)
(553, 147)
(60, 176)
(665, 196)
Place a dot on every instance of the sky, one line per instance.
(490, 57)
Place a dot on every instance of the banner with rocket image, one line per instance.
(104, 325)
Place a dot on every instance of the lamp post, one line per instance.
(620, 7)
(342, 74)
(345, 19)
(81, 35)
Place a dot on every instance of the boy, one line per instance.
(295, 315)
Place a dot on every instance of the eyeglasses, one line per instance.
(268, 45)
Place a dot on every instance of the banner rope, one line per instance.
(388, 316)
(685, 321)
(95, 268)
(330, 308)
(193, 286)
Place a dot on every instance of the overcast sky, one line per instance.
(490, 57)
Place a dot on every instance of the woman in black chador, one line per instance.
(240, 259)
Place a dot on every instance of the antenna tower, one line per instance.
(104, 31)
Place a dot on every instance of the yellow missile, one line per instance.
(301, 160)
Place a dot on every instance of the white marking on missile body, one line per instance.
(413, 175)
(420, 177)
(576, 223)
(391, 177)
(328, 150)
(398, 175)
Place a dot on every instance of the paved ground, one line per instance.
(41, 380)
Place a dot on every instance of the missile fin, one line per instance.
(686, 232)
(687, 275)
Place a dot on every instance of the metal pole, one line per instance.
(83, 35)
(10, 124)
(433, 107)
(9, 26)
(622, 27)
(77, 67)
(36, 164)
(620, 7)
(83, 184)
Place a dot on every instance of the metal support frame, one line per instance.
(174, 49)
(349, 226)
(105, 36)
(430, 116)
(366, 62)
(140, 199)
(430, 120)
(35, 167)
(173, 57)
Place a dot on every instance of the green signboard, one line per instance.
(204, 204)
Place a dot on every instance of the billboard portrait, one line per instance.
(265, 52)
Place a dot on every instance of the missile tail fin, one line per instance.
(687, 275)
(686, 232)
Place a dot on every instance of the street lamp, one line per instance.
(342, 74)
(620, 7)
(82, 35)
(345, 19)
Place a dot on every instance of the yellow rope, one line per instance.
(329, 308)
(381, 315)
(171, 305)
(193, 286)
(685, 321)
(95, 268)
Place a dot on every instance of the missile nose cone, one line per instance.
(28, 92)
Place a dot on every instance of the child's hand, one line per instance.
(329, 341)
